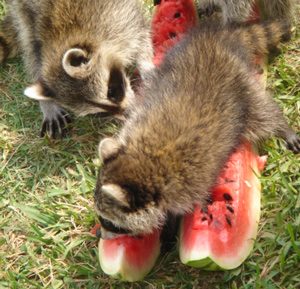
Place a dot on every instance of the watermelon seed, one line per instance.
(211, 216)
(230, 209)
(227, 197)
(204, 219)
(172, 34)
(177, 15)
(228, 220)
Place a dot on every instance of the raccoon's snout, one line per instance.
(110, 227)
(116, 86)
(107, 235)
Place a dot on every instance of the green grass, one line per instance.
(46, 200)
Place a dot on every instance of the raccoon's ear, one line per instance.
(37, 92)
(115, 192)
(76, 63)
(108, 147)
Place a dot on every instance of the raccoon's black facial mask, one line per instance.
(109, 226)
(116, 86)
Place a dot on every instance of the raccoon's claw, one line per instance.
(56, 127)
(293, 143)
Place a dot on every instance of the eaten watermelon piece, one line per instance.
(129, 258)
(222, 236)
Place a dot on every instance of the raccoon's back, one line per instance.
(193, 115)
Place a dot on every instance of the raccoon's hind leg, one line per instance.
(8, 39)
(265, 119)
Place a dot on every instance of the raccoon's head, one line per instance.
(126, 201)
(84, 82)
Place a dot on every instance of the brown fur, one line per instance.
(199, 105)
(111, 37)
(240, 10)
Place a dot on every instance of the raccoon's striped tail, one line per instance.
(263, 38)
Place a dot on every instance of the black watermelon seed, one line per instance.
(204, 219)
(211, 216)
(230, 209)
(228, 220)
(172, 34)
(227, 197)
(177, 15)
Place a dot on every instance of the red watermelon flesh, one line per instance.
(171, 20)
(129, 258)
(222, 236)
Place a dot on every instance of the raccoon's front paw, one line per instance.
(55, 121)
(293, 143)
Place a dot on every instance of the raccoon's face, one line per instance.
(125, 203)
(84, 83)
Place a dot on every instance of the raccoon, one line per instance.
(77, 54)
(198, 106)
(240, 11)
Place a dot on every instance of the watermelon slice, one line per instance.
(222, 236)
(129, 258)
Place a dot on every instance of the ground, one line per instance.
(46, 199)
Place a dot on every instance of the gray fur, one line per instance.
(198, 106)
(240, 10)
(111, 35)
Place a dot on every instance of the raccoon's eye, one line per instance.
(116, 86)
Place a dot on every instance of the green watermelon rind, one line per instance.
(205, 264)
(204, 260)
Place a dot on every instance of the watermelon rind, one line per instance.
(200, 254)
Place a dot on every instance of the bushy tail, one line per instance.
(264, 38)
